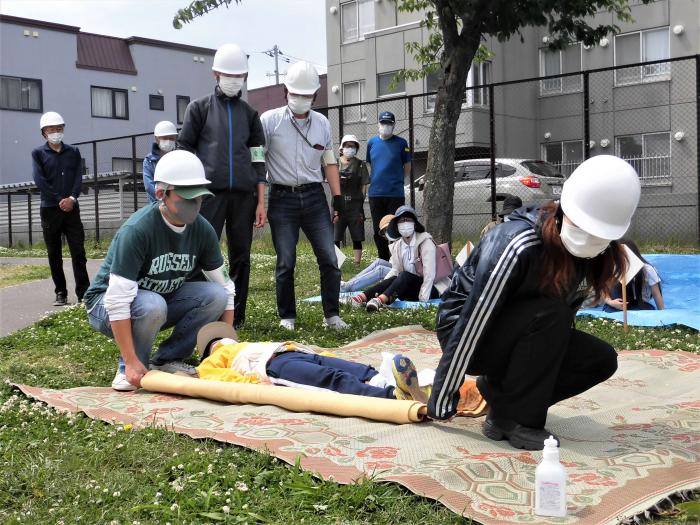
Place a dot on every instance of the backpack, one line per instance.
(444, 266)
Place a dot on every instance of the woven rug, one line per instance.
(626, 444)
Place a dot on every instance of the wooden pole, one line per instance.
(624, 304)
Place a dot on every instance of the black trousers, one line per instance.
(54, 224)
(235, 209)
(405, 286)
(531, 357)
(379, 207)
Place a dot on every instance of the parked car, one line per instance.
(531, 180)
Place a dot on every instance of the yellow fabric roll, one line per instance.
(293, 399)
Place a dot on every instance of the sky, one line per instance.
(296, 26)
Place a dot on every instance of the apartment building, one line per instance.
(645, 114)
(103, 87)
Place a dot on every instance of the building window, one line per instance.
(385, 87)
(156, 102)
(650, 154)
(479, 75)
(566, 155)
(354, 92)
(356, 19)
(181, 102)
(558, 62)
(109, 102)
(20, 94)
(642, 46)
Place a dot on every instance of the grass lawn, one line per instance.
(21, 273)
(57, 469)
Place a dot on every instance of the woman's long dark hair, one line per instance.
(640, 279)
(558, 268)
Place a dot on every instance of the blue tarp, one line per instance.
(680, 284)
(396, 304)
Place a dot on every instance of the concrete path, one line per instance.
(23, 304)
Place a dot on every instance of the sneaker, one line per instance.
(120, 383)
(172, 367)
(518, 436)
(335, 323)
(354, 301)
(406, 377)
(374, 305)
(61, 299)
(287, 324)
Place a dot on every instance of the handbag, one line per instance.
(444, 266)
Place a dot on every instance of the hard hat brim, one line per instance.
(191, 192)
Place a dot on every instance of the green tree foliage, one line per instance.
(198, 8)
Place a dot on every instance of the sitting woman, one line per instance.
(404, 280)
(296, 365)
(376, 271)
(645, 286)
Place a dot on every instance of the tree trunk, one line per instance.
(439, 178)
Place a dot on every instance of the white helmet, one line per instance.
(349, 138)
(164, 128)
(302, 79)
(601, 196)
(50, 118)
(180, 168)
(230, 60)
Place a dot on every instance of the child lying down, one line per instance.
(296, 365)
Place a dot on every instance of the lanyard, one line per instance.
(318, 147)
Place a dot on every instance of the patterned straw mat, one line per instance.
(626, 444)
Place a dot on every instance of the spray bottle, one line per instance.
(550, 482)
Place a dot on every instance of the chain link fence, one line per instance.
(535, 131)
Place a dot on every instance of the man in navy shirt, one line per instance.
(390, 159)
(57, 173)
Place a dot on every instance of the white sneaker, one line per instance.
(174, 366)
(349, 300)
(374, 305)
(121, 384)
(287, 324)
(335, 323)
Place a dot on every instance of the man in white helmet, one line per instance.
(57, 171)
(165, 134)
(226, 134)
(508, 315)
(142, 286)
(298, 144)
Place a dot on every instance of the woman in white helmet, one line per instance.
(508, 315)
(165, 134)
(354, 179)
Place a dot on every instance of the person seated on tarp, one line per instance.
(510, 204)
(645, 286)
(508, 315)
(404, 281)
(287, 363)
(376, 271)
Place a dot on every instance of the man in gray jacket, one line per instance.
(226, 134)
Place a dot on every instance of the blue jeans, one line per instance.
(329, 373)
(188, 308)
(306, 210)
(375, 272)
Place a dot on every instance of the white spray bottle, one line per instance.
(550, 482)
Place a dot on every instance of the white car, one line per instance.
(534, 181)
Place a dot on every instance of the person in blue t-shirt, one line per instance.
(390, 159)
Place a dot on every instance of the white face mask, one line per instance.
(349, 152)
(55, 138)
(166, 145)
(298, 104)
(230, 85)
(581, 244)
(406, 229)
(386, 130)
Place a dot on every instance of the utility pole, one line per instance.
(276, 51)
